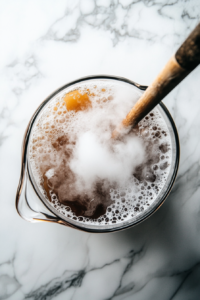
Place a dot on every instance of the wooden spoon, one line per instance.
(177, 68)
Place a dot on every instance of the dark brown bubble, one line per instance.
(157, 134)
(150, 176)
(164, 165)
(164, 147)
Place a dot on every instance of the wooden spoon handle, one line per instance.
(177, 68)
(188, 55)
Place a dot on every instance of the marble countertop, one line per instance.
(45, 44)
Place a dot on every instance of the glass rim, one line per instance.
(116, 227)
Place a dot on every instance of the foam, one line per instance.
(93, 156)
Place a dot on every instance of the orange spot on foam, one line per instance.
(77, 101)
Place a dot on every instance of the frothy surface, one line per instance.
(84, 174)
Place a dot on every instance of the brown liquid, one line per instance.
(63, 180)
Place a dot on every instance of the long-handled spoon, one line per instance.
(177, 68)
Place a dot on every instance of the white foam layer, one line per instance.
(92, 155)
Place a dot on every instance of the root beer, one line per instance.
(81, 171)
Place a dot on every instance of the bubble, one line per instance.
(164, 147)
(164, 165)
(150, 176)
(157, 134)
(122, 194)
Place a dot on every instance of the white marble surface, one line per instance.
(45, 44)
